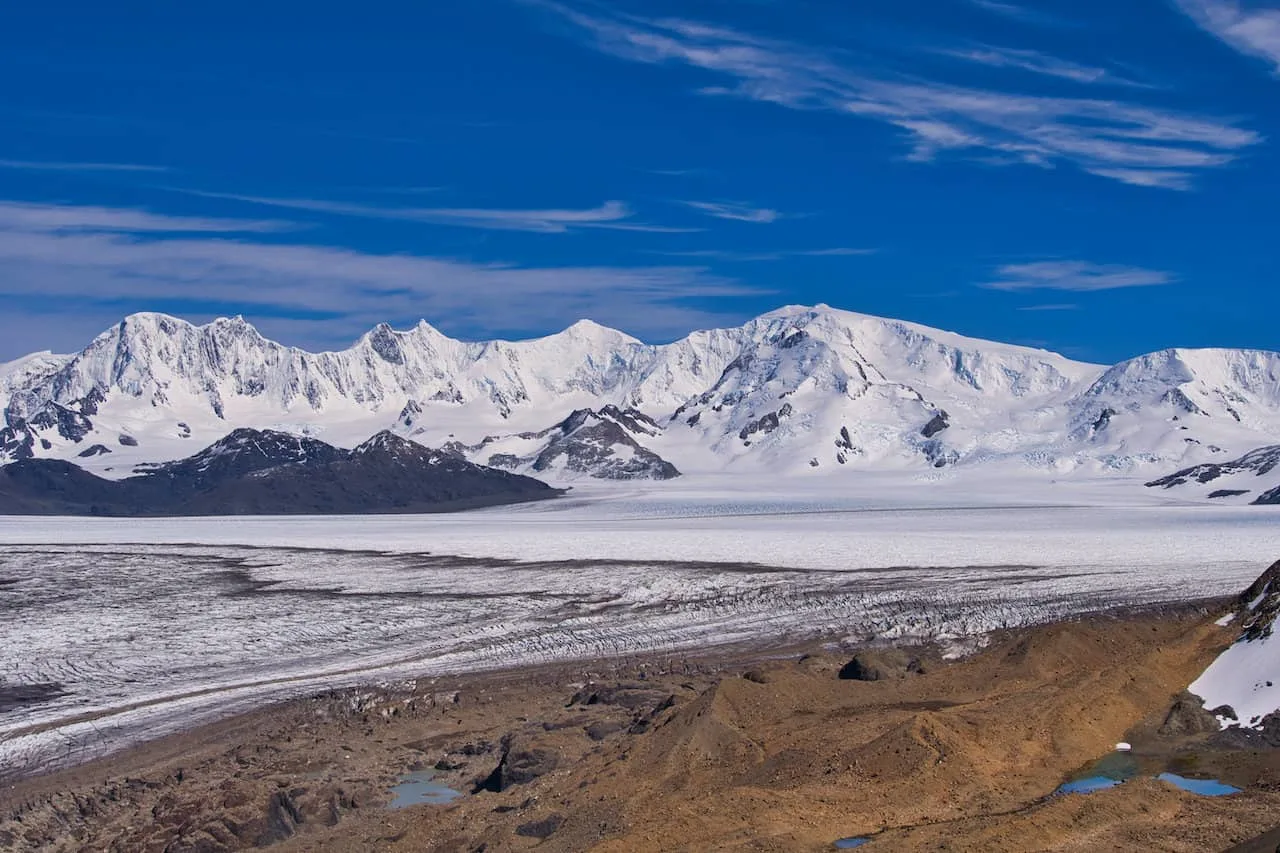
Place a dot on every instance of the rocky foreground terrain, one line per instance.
(748, 749)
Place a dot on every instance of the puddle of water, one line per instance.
(1088, 785)
(420, 788)
(1115, 769)
(1119, 767)
(850, 843)
(1203, 787)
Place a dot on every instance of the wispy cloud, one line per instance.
(1079, 276)
(1054, 306)
(1251, 31)
(30, 217)
(936, 118)
(1168, 179)
(48, 166)
(1019, 13)
(126, 260)
(612, 215)
(736, 211)
(1040, 63)
(746, 257)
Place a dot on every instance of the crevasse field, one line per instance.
(217, 615)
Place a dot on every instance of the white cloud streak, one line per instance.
(735, 211)
(612, 215)
(782, 254)
(1077, 276)
(88, 267)
(1043, 64)
(28, 216)
(1114, 138)
(1019, 13)
(1252, 31)
(47, 166)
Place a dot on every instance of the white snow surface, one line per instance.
(153, 625)
(1247, 677)
(800, 392)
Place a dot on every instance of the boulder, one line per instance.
(880, 665)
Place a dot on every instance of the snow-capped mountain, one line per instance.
(797, 391)
(605, 444)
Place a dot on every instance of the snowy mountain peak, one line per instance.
(797, 390)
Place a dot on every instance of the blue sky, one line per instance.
(1093, 177)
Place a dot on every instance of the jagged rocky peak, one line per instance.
(245, 450)
(388, 443)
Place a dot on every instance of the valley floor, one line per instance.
(746, 749)
(118, 630)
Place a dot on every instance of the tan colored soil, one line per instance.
(666, 755)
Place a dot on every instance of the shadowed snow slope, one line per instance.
(1243, 685)
(804, 391)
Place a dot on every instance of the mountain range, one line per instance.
(803, 391)
(262, 472)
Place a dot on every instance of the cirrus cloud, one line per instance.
(1078, 276)
(1115, 139)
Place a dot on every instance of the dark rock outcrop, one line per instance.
(1187, 716)
(941, 421)
(522, 761)
(1258, 462)
(767, 423)
(600, 444)
(880, 665)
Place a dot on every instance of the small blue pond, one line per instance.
(1088, 785)
(850, 843)
(420, 788)
(1203, 787)
(1119, 767)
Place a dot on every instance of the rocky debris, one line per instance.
(881, 665)
(1187, 716)
(523, 760)
(756, 676)
(941, 421)
(1259, 605)
(283, 818)
(94, 450)
(1228, 493)
(544, 828)
(604, 729)
(629, 695)
(127, 440)
(1266, 735)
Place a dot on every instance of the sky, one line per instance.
(1091, 177)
